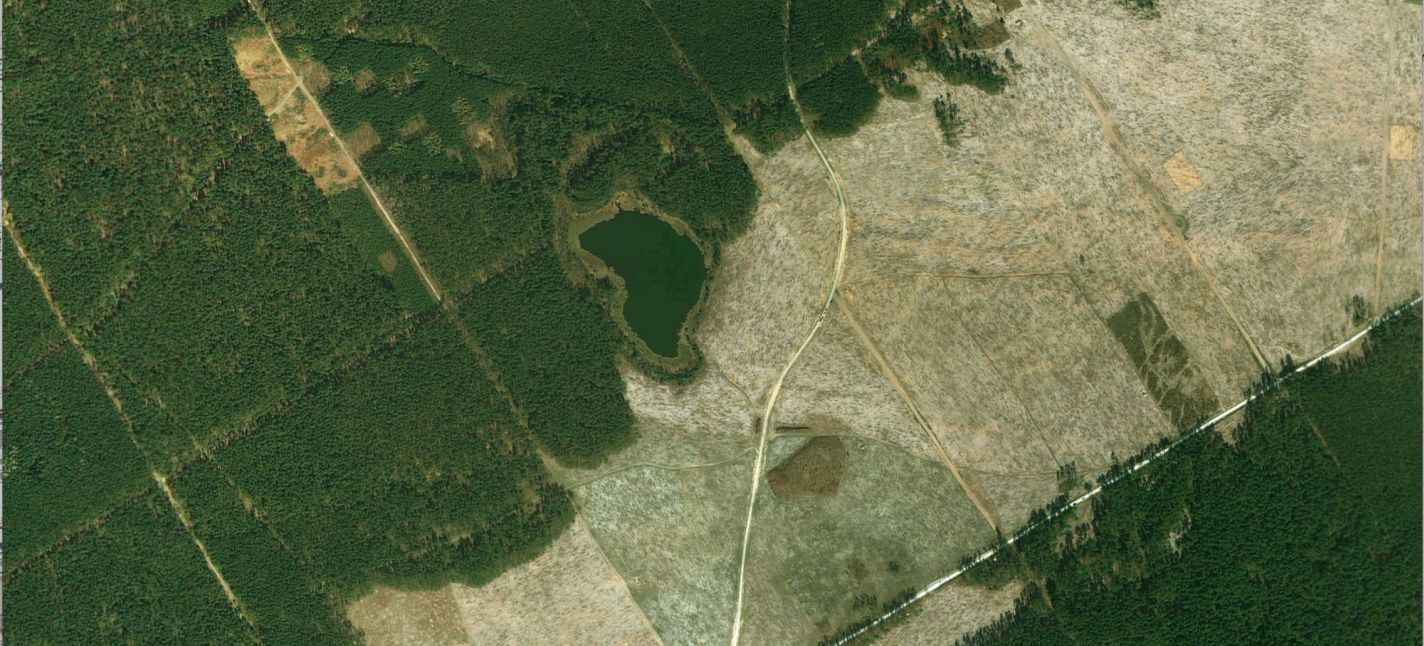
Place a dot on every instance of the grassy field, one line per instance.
(823, 557)
(674, 537)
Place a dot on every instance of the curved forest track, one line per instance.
(774, 393)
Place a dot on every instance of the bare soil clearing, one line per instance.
(838, 379)
(296, 121)
(957, 609)
(568, 595)
(1284, 118)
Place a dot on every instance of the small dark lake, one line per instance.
(662, 269)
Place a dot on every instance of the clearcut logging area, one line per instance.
(299, 350)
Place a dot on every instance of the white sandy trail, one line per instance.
(775, 392)
(939, 583)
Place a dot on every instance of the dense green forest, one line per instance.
(418, 474)
(257, 293)
(1303, 527)
(736, 47)
(239, 314)
(63, 425)
(122, 129)
(278, 595)
(30, 329)
(840, 100)
(554, 347)
(135, 578)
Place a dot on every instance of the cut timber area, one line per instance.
(258, 58)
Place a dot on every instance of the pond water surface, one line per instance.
(662, 269)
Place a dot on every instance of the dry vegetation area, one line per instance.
(1101, 258)
(818, 562)
(815, 469)
(569, 594)
(1112, 247)
(1284, 124)
(296, 121)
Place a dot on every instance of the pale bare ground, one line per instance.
(955, 610)
(1182, 172)
(296, 120)
(674, 536)
(678, 425)
(417, 618)
(1015, 376)
(1018, 373)
(835, 379)
(568, 595)
(1400, 202)
(1278, 105)
(1039, 192)
(771, 281)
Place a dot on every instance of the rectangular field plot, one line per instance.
(409, 470)
(135, 578)
(68, 456)
(844, 526)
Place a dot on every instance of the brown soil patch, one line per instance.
(390, 616)
(491, 150)
(365, 81)
(317, 77)
(415, 128)
(387, 260)
(296, 122)
(815, 469)
(1182, 172)
(1403, 142)
(362, 141)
